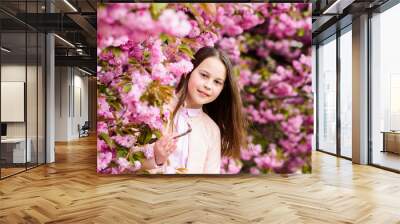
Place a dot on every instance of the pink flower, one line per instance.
(156, 54)
(123, 164)
(102, 146)
(149, 115)
(252, 151)
(126, 141)
(141, 81)
(207, 39)
(283, 89)
(233, 29)
(307, 89)
(254, 171)
(159, 72)
(118, 12)
(293, 125)
(175, 23)
(245, 154)
(268, 161)
(180, 68)
(195, 29)
(229, 46)
(105, 77)
(255, 78)
(250, 19)
(233, 167)
(103, 159)
(245, 76)
(148, 151)
(132, 98)
(103, 108)
(140, 20)
(137, 165)
(102, 127)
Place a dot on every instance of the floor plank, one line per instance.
(70, 191)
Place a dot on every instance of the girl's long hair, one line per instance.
(225, 110)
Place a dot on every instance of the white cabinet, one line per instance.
(17, 146)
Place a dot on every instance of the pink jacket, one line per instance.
(204, 148)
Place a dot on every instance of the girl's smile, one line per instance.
(203, 94)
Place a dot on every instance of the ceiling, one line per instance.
(330, 15)
(72, 20)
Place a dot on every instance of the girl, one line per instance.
(206, 121)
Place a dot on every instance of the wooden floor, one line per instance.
(10, 171)
(70, 191)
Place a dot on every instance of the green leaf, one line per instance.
(157, 133)
(265, 171)
(117, 51)
(186, 49)
(156, 9)
(133, 61)
(131, 159)
(138, 156)
(107, 139)
(146, 54)
(127, 88)
(265, 74)
(300, 32)
(306, 169)
(117, 106)
(102, 88)
(252, 89)
(164, 38)
(121, 152)
(103, 64)
(196, 15)
(144, 131)
(209, 8)
(157, 94)
(140, 139)
(148, 137)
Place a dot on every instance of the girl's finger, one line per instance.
(162, 141)
(167, 152)
(173, 143)
(168, 146)
(172, 148)
(171, 138)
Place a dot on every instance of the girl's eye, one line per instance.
(203, 75)
(218, 82)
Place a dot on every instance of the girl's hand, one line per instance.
(164, 147)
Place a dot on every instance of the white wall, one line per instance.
(62, 81)
(12, 73)
(33, 127)
(71, 94)
(80, 110)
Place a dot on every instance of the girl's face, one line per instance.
(206, 82)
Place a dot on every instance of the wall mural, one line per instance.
(204, 88)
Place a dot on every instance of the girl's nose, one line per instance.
(207, 86)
